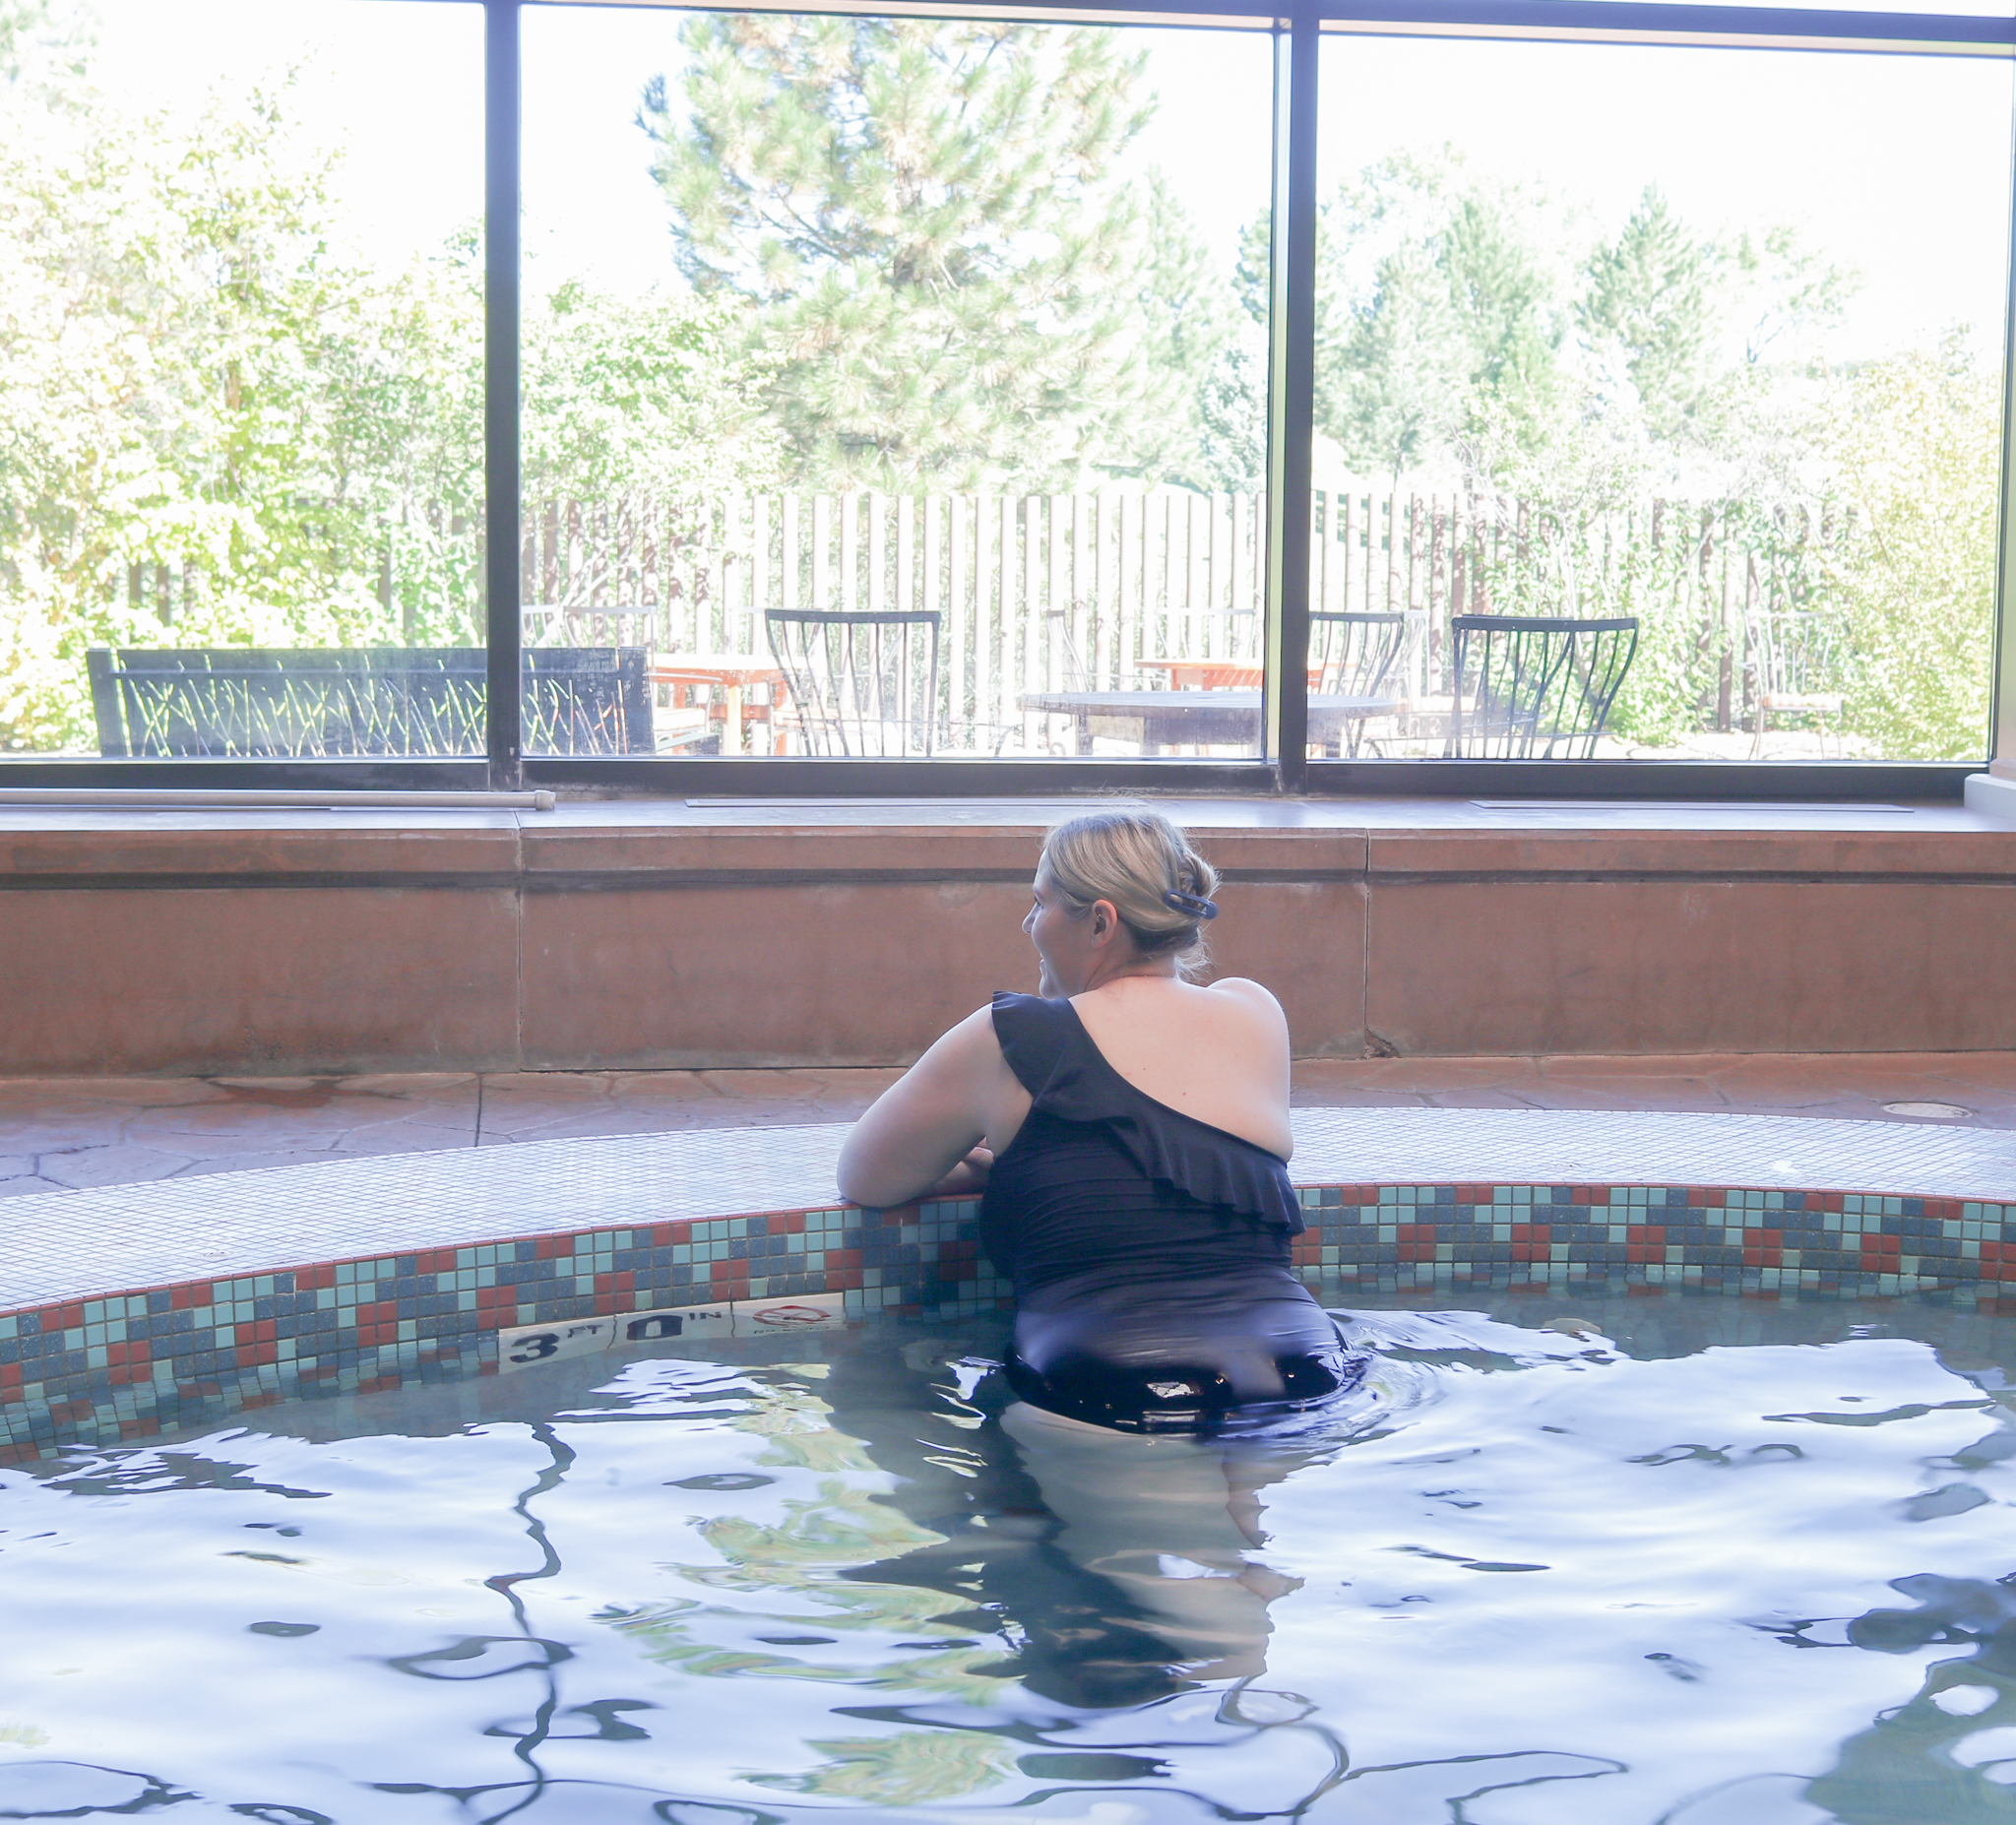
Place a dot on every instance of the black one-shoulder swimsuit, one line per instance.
(1149, 1251)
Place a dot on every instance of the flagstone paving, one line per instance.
(78, 1133)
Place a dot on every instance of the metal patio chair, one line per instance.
(860, 683)
(1355, 654)
(336, 702)
(1535, 687)
(1791, 654)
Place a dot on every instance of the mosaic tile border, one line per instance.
(125, 1366)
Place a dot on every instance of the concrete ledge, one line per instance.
(694, 935)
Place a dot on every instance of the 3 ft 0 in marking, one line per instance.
(527, 1345)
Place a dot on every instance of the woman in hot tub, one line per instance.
(1131, 1130)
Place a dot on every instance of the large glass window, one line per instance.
(1658, 401)
(241, 508)
(893, 387)
(899, 387)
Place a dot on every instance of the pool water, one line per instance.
(1679, 1560)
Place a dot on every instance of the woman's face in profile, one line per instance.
(1059, 940)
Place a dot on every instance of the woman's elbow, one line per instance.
(862, 1179)
(877, 1194)
(856, 1186)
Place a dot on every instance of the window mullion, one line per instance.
(501, 282)
(2002, 714)
(1291, 398)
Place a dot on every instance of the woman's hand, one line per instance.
(970, 1175)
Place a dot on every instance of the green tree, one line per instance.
(1714, 334)
(1916, 441)
(192, 381)
(1231, 415)
(928, 226)
(1441, 309)
(217, 428)
(1208, 428)
(1649, 290)
(650, 397)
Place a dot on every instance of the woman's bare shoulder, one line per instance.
(1244, 988)
(972, 1042)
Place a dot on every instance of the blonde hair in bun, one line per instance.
(1135, 859)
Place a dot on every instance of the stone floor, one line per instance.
(81, 1132)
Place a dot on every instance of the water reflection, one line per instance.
(1948, 1753)
(1536, 1582)
(1097, 1572)
(1173, 1525)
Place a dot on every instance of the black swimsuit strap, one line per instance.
(1038, 1038)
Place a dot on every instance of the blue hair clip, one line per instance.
(1193, 903)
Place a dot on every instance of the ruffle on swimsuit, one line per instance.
(1069, 1078)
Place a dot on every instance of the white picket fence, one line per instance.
(1036, 592)
(1088, 591)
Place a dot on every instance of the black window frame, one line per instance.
(1283, 765)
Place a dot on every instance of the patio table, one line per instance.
(1215, 674)
(1174, 719)
(732, 674)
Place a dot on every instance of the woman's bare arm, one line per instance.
(931, 1118)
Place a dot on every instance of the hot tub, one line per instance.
(1679, 1502)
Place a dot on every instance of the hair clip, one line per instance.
(1193, 903)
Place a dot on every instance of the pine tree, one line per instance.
(926, 226)
(1436, 308)
(1436, 297)
(1231, 415)
(1209, 417)
(1651, 290)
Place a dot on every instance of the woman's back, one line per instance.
(1218, 1054)
(1149, 1250)
(1107, 1185)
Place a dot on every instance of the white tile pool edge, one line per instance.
(78, 1244)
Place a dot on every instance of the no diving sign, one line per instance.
(806, 1311)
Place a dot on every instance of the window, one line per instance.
(845, 389)
(1659, 401)
(893, 387)
(241, 502)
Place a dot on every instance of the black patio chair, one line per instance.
(1535, 687)
(861, 683)
(337, 702)
(1355, 654)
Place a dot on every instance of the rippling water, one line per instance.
(1660, 1560)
